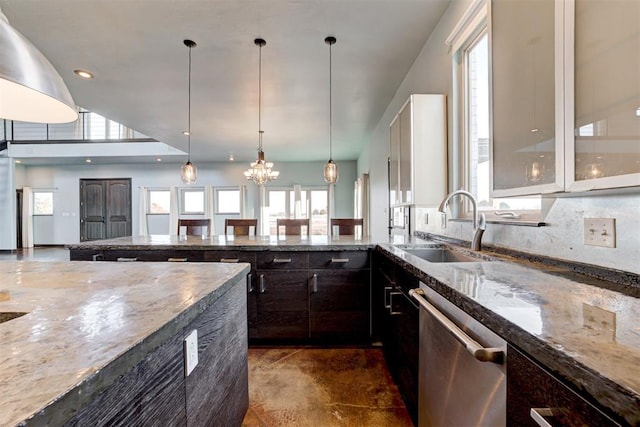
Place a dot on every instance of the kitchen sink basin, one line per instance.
(5, 316)
(441, 255)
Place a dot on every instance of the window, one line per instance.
(43, 203)
(312, 204)
(227, 201)
(472, 68)
(192, 201)
(159, 202)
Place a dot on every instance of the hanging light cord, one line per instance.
(260, 131)
(189, 111)
(330, 107)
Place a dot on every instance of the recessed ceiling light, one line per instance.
(231, 159)
(158, 160)
(84, 74)
(88, 160)
(18, 161)
(638, 112)
(186, 132)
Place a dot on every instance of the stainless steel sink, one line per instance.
(441, 255)
(5, 316)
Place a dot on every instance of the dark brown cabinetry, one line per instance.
(397, 322)
(532, 393)
(339, 296)
(283, 295)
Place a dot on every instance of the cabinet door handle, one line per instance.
(539, 415)
(281, 260)
(177, 260)
(263, 287)
(230, 260)
(250, 283)
(339, 260)
(391, 312)
(314, 283)
(483, 354)
(387, 289)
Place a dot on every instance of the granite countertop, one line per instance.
(251, 243)
(587, 335)
(85, 316)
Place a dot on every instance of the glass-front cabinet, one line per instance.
(565, 95)
(606, 144)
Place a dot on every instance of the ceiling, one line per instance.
(135, 49)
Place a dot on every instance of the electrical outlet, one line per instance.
(190, 352)
(600, 232)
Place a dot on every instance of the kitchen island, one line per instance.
(100, 344)
(575, 327)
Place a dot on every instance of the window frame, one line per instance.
(216, 196)
(159, 189)
(34, 193)
(289, 209)
(183, 191)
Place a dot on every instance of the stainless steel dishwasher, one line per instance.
(461, 382)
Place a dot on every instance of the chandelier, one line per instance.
(260, 171)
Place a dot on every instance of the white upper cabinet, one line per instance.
(604, 148)
(418, 152)
(565, 95)
(527, 139)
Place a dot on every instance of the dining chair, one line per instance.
(241, 227)
(195, 227)
(346, 226)
(293, 227)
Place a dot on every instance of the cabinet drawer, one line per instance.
(340, 259)
(154, 255)
(529, 386)
(231, 256)
(281, 260)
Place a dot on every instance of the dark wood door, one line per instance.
(283, 304)
(339, 305)
(105, 208)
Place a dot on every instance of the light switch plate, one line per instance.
(190, 352)
(600, 232)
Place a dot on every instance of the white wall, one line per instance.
(562, 238)
(63, 227)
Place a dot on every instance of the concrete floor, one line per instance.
(322, 387)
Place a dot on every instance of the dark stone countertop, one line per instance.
(587, 335)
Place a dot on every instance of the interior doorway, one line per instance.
(105, 208)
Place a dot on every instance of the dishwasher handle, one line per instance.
(483, 354)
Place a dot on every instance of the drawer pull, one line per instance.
(230, 260)
(387, 289)
(391, 312)
(314, 284)
(250, 283)
(539, 415)
(339, 260)
(263, 287)
(483, 354)
(123, 259)
(177, 260)
(281, 260)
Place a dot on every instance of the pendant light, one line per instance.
(189, 172)
(260, 171)
(31, 90)
(330, 169)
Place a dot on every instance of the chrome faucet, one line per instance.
(479, 221)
